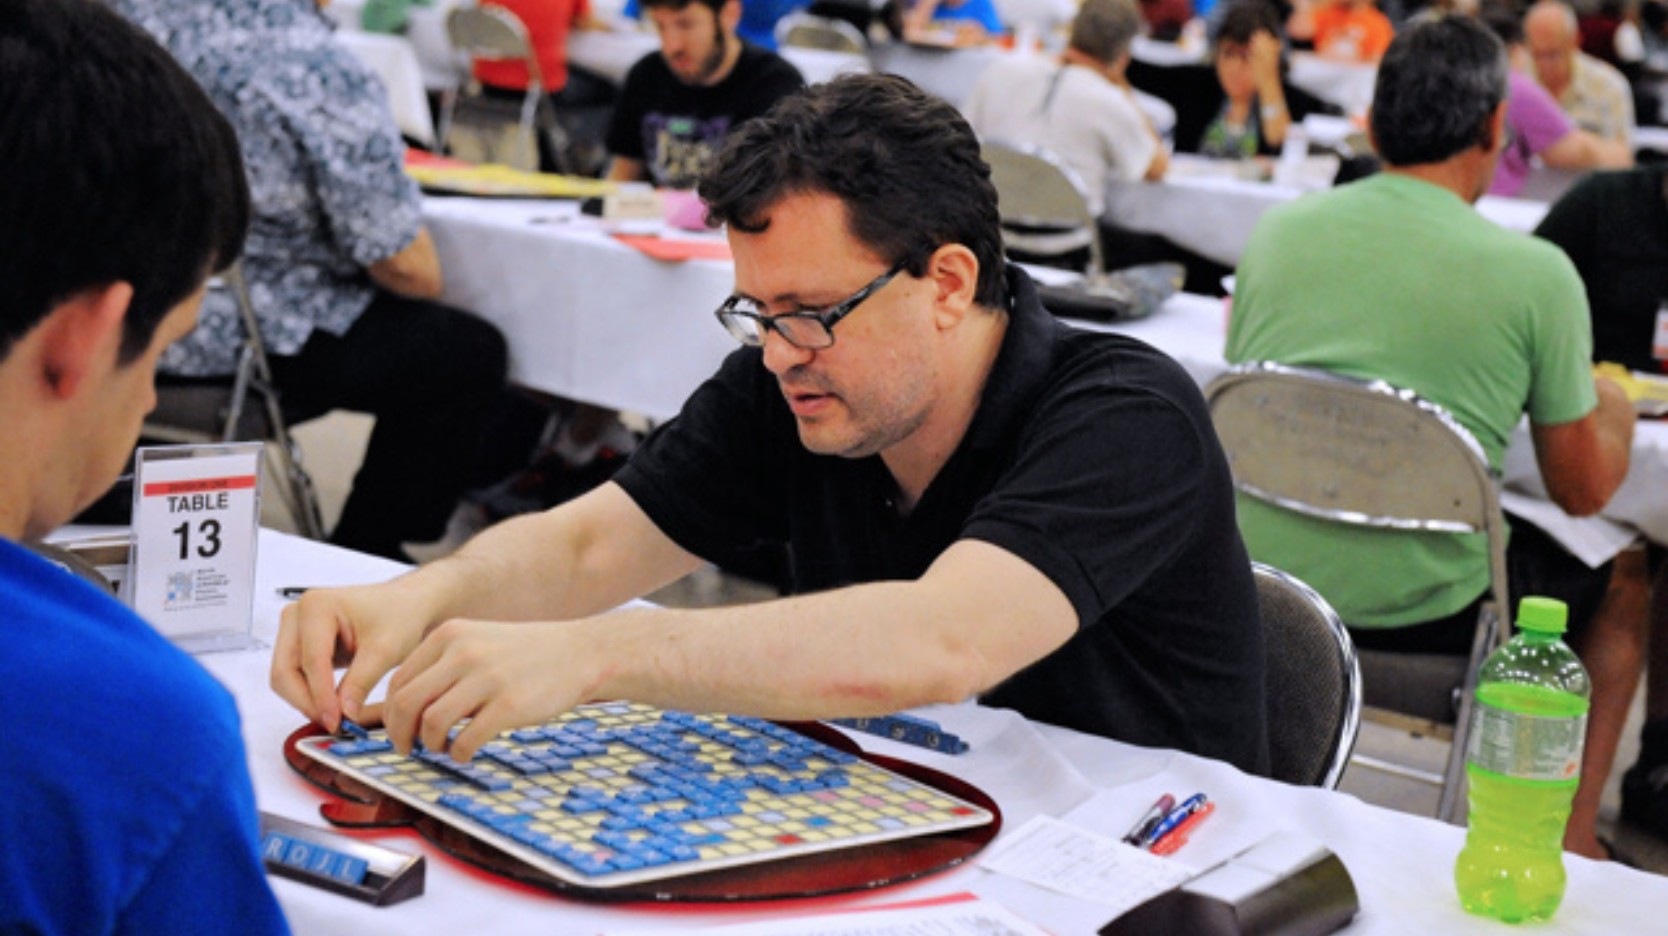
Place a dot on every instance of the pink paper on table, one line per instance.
(677, 248)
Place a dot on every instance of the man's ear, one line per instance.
(729, 15)
(1494, 133)
(82, 334)
(954, 273)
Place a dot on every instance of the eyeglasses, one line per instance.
(747, 319)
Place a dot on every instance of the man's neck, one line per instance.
(1084, 60)
(915, 462)
(732, 55)
(1460, 175)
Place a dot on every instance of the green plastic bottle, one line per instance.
(1523, 763)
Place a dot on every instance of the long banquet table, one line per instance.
(592, 319)
(1401, 864)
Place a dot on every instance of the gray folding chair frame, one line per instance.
(196, 413)
(494, 33)
(809, 31)
(1367, 453)
(1313, 681)
(1036, 190)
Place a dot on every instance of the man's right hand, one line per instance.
(369, 629)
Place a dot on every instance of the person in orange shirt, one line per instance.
(1343, 30)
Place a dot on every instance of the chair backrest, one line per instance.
(1359, 452)
(808, 31)
(492, 33)
(494, 129)
(1313, 685)
(1043, 202)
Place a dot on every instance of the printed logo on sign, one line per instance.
(179, 587)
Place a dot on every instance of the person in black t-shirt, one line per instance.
(678, 105)
(971, 498)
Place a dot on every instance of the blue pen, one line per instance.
(1177, 816)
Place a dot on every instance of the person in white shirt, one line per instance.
(1591, 91)
(1080, 106)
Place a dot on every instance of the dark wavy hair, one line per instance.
(1438, 85)
(904, 162)
(114, 167)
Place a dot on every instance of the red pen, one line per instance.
(1177, 837)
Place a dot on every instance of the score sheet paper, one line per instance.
(1083, 864)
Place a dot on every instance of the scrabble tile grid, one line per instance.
(591, 798)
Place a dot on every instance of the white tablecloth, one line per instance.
(1201, 206)
(586, 316)
(1401, 864)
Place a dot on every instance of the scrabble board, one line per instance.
(619, 793)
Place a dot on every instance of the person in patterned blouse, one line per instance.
(340, 268)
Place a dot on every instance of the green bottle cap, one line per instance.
(1542, 615)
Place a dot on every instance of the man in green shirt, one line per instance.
(1397, 278)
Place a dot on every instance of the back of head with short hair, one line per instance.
(1103, 29)
(1437, 88)
(1246, 18)
(114, 167)
(904, 162)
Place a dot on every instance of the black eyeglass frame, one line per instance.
(827, 318)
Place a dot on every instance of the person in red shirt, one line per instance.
(583, 101)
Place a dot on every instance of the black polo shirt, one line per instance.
(1091, 456)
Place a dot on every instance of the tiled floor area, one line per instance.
(334, 445)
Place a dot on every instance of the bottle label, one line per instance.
(1528, 747)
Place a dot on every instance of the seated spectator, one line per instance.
(128, 807)
(386, 16)
(1079, 106)
(1592, 92)
(1165, 18)
(1539, 130)
(972, 21)
(339, 266)
(677, 105)
(1614, 228)
(1319, 288)
(1242, 105)
(1342, 30)
(758, 19)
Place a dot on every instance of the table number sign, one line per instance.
(196, 509)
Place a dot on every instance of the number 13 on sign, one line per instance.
(195, 516)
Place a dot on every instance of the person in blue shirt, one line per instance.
(127, 805)
(973, 21)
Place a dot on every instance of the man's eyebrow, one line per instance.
(787, 298)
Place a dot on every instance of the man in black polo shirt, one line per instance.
(972, 498)
(677, 105)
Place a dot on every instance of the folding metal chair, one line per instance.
(497, 129)
(197, 412)
(1313, 685)
(1366, 453)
